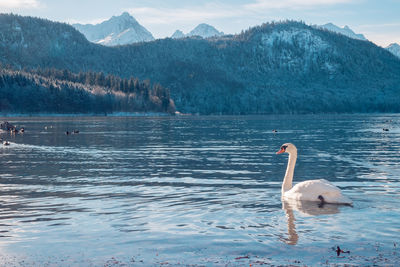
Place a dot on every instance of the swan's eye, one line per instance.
(284, 147)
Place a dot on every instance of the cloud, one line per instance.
(209, 11)
(260, 5)
(382, 39)
(382, 25)
(89, 21)
(382, 34)
(151, 15)
(235, 16)
(19, 3)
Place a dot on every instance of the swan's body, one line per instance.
(311, 190)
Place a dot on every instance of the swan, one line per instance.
(311, 190)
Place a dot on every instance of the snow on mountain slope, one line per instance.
(394, 49)
(203, 30)
(119, 30)
(310, 46)
(178, 34)
(304, 38)
(345, 31)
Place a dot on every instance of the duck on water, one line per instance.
(6, 126)
(4, 142)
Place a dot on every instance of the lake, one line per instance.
(194, 190)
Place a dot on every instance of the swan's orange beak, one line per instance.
(281, 151)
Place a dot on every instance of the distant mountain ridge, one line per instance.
(178, 34)
(345, 31)
(394, 49)
(203, 30)
(119, 30)
(124, 29)
(279, 67)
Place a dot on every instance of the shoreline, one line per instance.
(4, 116)
(115, 114)
(364, 254)
(179, 114)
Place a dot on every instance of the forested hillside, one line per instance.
(285, 67)
(54, 91)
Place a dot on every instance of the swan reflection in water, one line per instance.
(310, 208)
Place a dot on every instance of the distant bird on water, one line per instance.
(339, 250)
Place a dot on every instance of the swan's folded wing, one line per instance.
(311, 190)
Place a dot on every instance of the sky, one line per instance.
(379, 21)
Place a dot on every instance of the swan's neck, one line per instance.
(287, 181)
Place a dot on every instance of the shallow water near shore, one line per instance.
(197, 190)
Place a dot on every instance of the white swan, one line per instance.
(311, 190)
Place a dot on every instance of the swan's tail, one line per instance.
(338, 199)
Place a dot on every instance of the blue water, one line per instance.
(152, 191)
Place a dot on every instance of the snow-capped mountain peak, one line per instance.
(178, 34)
(125, 19)
(204, 30)
(345, 31)
(118, 30)
(125, 15)
(394, 49)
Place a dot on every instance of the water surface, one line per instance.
(196, 190)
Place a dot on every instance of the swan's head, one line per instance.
(288, 148)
